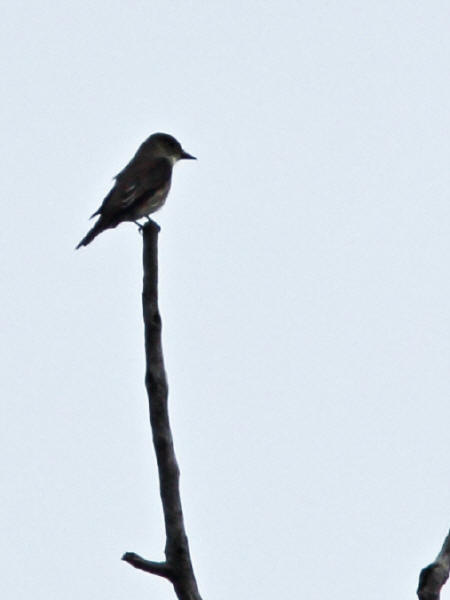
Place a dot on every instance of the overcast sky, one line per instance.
(304, 290)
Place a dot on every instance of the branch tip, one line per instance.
(151, 225)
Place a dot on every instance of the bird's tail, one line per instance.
(92, 233)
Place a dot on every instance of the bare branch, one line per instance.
(434, 576)
(178, 566)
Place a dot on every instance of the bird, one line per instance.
(141, 188)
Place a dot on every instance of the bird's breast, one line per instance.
(150, 203)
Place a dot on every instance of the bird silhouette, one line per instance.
(141, 188)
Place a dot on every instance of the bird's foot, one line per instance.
(139, 226)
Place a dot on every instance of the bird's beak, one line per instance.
(186, 155)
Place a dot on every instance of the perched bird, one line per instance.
(141, 188)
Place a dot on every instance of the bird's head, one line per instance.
(164, 145)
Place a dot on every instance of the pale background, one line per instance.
(304, 291)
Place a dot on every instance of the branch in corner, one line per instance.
(433, 577)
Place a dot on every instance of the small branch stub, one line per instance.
(155, 568)
(177, 567)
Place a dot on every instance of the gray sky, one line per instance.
(304, 291)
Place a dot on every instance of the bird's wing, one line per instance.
(138, 178)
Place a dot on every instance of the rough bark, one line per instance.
(177, 567)
(434, 576)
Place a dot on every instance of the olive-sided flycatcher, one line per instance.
(141, 188)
